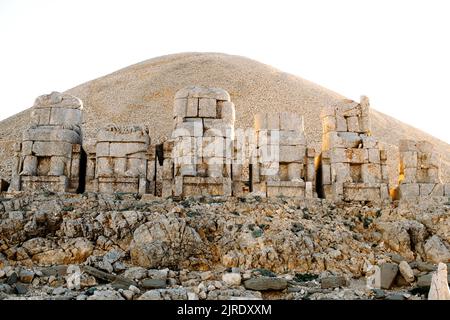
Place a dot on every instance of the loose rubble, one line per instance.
(86, 247)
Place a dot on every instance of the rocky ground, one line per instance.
(90, 246)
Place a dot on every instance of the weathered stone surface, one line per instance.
(232, 279)
(439, 286)
(265, 283)
(153, 283)
(26, 276)
(158, 244)
(333, 282)
(388, 273)
(436, 251)
(406, 271)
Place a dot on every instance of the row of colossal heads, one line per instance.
(207, 155)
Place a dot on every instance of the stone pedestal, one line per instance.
(352, 166)
(202, 143)
(49, 155)
(284, 164)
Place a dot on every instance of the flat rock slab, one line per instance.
(388, 273)
(333, 282)
(265, 284)
(425, 280)
(153, 283)
(117, 282)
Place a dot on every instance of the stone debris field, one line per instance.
(218, 211)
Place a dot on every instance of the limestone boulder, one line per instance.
(436, 250)
(165, 242)
(265, 284)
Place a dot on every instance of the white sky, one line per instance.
(396, 52)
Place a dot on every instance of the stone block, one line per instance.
(192, 128)
(348, 108)
(207, 108)
(371, 173)
(116, 184)
(424, 146)
(51, 134)
(431, 189)
(407, 145)
(408, 175)
(408, 190)
(332, 282)
(434, 160)
(187, 169)
(213, 147)
(40, 117)
(178, 186)
(292, 153)
(269, 168)
(384, 173)
(136, 168)
(383, 155)
(29, 166)
(291, 138)
(374, 156)
(422, 176)
(309, 192)
(408, 159)
(27, 148)
(326, 174)
(58, 165)
(49, 183)
(349, 155)
(269, 137)
(349, 139)
(361, 192)
(295, 171)
(341, 124)
(277, 191)
(102, 149)
(340, 140)
(340, 172)
(218, 128)
(388, 273)
(310, 171)
(364, 124)
(369, 142)
(433, 175)
(180, 108)
(269, 153)
(328, 124)
(353, 124)
(355, 172)
(52, 148)
(123, 134)
(192, 107)
(64, 116)
(128, 150)
(227, 111)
